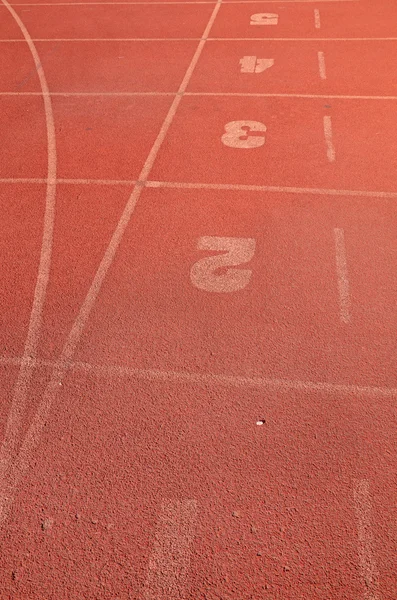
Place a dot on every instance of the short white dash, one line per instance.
(321, 65)
(342, 276)
(328, 139)
(317, 22)
(169, 562)
(368, 567)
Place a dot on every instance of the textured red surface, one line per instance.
(268, 411)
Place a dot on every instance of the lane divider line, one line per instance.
(236, 94)
(342, 276)
(211, 186)
(209, 39)
(269, 188)
(19, 399)
(367, 561)
(222, 380)
(33, 434)
(169, 562)
(331, 155)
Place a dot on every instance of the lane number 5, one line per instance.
(213, 273)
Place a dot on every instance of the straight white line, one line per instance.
(205, 379)
(33, 435)
(169, 562)
(217, 39)
(221, 94)
(212, 186)
(317, 21)
(368, 566)
(176, 2)
(21, 389)
(328, 138)
(321, 65)
(281, 95)
(194, 39)
(269, 188)
(342, 276)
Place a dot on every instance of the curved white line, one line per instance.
(30, 350)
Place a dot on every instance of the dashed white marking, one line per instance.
(342, 276)
(321, 65)
(331, 155)
(317, 21)
(170, 559)
(368, 566)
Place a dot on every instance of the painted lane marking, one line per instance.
(237, 134)
(209, 39)
(236, 94)
(210, 273)
(169, 562)
(264, 19)
(342, 276)
(270, 188)
(368, 566)
(252, 64)
(223, 380)
(328, 138)
(321, 65)
(317, 21)
(167, 2)
(211, 186)
(33, 434)
(21, 389)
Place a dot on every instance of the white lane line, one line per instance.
(182, 2)
(342, 276)
(169, 562)
(269, 188)
(321, 65)
(368, 567)
(328, 138)
(212, 186)
(220, 94)
(19, 399)
(317, 21)
(33, 434)
(222, 380)
(210, 39)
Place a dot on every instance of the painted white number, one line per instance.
(210, 273)
(251, 64)
(264, 19)
(237, 134)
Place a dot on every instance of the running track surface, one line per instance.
(198, 300)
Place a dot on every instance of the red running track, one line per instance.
(198, 300)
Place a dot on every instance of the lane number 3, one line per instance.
(217, 273)
(237, 134)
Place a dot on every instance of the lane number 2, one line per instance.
(237, 134)
(214, 273)
(264, 19)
